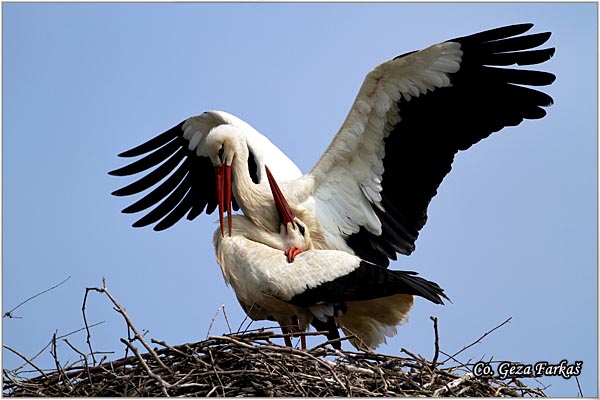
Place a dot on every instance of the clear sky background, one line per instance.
(511, 233)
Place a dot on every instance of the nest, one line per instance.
(252, 364)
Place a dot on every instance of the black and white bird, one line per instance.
(368, 194)
(325, 288)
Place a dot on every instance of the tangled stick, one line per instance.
(246, 365)
(251, 364)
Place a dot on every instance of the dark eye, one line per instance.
(301, 229)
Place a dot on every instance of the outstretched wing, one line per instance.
(411, 116)
(181, 175)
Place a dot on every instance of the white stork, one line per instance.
(369, 192)
(325, 288)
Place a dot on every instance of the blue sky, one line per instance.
(511, 233)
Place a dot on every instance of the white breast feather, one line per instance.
(255, 270)
(309, 270)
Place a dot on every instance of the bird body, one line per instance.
(366, 198)
(318, 287)
(369, 192)
(249, 276)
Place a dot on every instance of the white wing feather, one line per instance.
(347, 178)
(255, 269)
(196, 129)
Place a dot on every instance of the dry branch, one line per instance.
(242, 365)
(10, 314)
(251, 364)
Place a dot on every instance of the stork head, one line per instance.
(224, 143)
(294, 232)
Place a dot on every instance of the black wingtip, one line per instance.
(516, 29)
(139, 224)
(503, 32)
(436, 298)
(442, 294)
(126, 154)
(129, 210)
(117, 172)
(154, 143)
(119, 193)
(551, 50)
(551, 78)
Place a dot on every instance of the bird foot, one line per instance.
(291, 253)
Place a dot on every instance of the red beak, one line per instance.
(223, 183)
(283, 208)
(286, 215)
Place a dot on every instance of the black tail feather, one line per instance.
(368, 282)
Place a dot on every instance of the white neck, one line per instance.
(255, 200)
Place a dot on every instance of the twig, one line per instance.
(84, 357)
(214, 368)
(453, 359)
(262, 330)
(9, 313)
(284, 349)
(419, 358)
(50, 343)
(168, 346)
(87, 328)
(261, 334)
(26, 360)
(34, 357)
(337, 340)
(243, 366)
(437, 343)
(478, 340)
(226, 319)
(164, 385)
(79, 330)
(59, 368)
(130, 324)
(212, 321)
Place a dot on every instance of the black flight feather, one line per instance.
(433, 127)
(184, 183)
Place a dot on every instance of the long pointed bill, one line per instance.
(286, 215)
(283, 208)
(220, 200)
(228, 195)
(223, 186)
